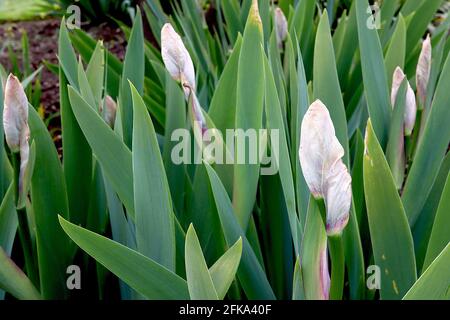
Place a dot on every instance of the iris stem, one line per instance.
(336, 249)
(322, 209)
(411, 142)
(337, 266)
(24, 229)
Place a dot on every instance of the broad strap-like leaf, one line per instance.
(223, 271)
(155, 234)
(424, 225)
(391, 237)
(281, 156)
(95, 73)
(222, 109)
(374, 74)
(420, 21)
(298, 290)
(200, 283)
(14, 281)
(395, 55)
(67, 58)
(77, 160)
(434, 283)
(85, 45)
(249, 111)
(8, 220)
(144, 275)
(250, 273)
(49, 199)
(344, 57)
(175, 120)
(314, 243)
(431, 149)
(112, 154)
(8, 224)
(440, 235)
(108, 148)
(133, 71)
(326, 82)
(230, 10)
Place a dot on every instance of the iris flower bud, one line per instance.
(423, 71)
(15, 114)
(411, 106)
(176, 58)
(109, 111)
(15, 123)
(281, 26)
(325, 173)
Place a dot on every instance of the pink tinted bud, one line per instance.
(176, 57)
(281, 26)
(321, 160)
(15, 113)
(423, 70)
(109, 112)
(410, 102)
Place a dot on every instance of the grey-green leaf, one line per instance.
(142, 274)
(250, 273)
(434, 283)
(223, 271)
(14, 281)
(391, 237)
(199, 280)
(374, 75)
(155, 233)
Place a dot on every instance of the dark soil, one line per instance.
(43, 45)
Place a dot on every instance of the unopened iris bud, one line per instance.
(423, 71)
(338, 198)
(109, 111)
(15, 123)
(176, 57)
(15, 114)
(281, 26)
(411, 106)
(325, 173)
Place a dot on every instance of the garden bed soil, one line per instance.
(43, 46)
